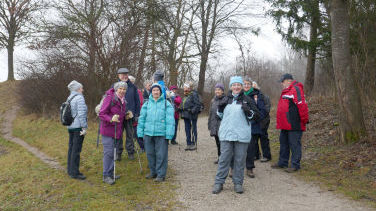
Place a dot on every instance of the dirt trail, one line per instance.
(6, 130)
(270, 190)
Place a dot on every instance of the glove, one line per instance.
(83, 132)
(246, 109)
(129, 115)
(115, 118)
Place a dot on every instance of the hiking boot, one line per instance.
(291, 170)
(263, 160)
(108, 180)
(216, 162)
(238, 188)
(250, 173)
(193, 147)
(79, 177)
(187, 148)
(217, 188)
(131, 156)
(173, 142)
(230, 173)
(118, 157)
(159, 179)
(151, 176)
(257, 158)
(276, 166)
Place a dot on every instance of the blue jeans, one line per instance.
(290, 140)
(157, 153)
(108, 155)
(236, 151)
(176, 129)
(191, 129)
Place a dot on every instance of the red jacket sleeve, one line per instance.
(299, 100)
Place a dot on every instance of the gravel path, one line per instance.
(270, 190)
(6, 130)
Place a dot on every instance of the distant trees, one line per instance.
(16, 17)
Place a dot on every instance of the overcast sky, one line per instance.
(267, 45)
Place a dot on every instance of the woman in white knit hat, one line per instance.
(77, 130)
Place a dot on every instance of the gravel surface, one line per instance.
(271, 189)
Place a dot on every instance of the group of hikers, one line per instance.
(237, 120)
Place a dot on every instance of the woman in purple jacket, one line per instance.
(112, 114)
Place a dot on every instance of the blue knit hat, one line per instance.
(236, 79)
(156, 85)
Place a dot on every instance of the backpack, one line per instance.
(66, 117)
(201, 104)
(99, 106)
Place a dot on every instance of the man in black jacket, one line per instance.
(133, 105)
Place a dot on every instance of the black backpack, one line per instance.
(66, 117)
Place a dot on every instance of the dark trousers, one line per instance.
(140, 141)
(290, 140)
(251, 151)
(74, 150)
(191, 129)
(265, 147)
(176, 129)
(217, 142)
(129, 145)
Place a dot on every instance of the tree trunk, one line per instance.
(203, 64)
(311, 59)
(10, 50)
(351, 123)
(143, 54)
(153, 51)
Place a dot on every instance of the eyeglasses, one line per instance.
(247, 84)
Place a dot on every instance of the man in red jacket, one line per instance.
(292, 117)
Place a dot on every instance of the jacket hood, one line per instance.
(295, 83)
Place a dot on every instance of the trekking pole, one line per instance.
(137, 150)
(115, 151)
(138, 156)
(99, 127)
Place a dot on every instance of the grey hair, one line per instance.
(148, 82)
(119, 84)
(132, 79)
(257, 86)
(247, 78)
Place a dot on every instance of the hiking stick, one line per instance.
(137, 148)
(99, 127)
(115, 151)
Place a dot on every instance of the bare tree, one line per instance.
(214, 16)
(352, 125)
(15, 19)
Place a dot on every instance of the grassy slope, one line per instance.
(335, 167)
(27, 183)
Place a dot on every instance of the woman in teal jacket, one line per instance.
(156, 124)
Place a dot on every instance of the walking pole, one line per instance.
(137, 150)
(99, 127)
(115, 151)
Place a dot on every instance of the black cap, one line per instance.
(123, 70)
(285, 77)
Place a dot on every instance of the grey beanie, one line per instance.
(119, 84)
(123, 70)
(74, 86)
(158, 76)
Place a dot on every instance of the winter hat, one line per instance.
(123, 70)
(158, 76)
(74, 86)
(173, 87)
(220, 86)
(119, 84)
(156, 85)
(236, 79)
(285, 77)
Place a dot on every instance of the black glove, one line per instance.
(247, 110)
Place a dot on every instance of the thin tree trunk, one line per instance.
(352, 125)
(143, 53)
(311, 59)
(203, 64)
(153, 51)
